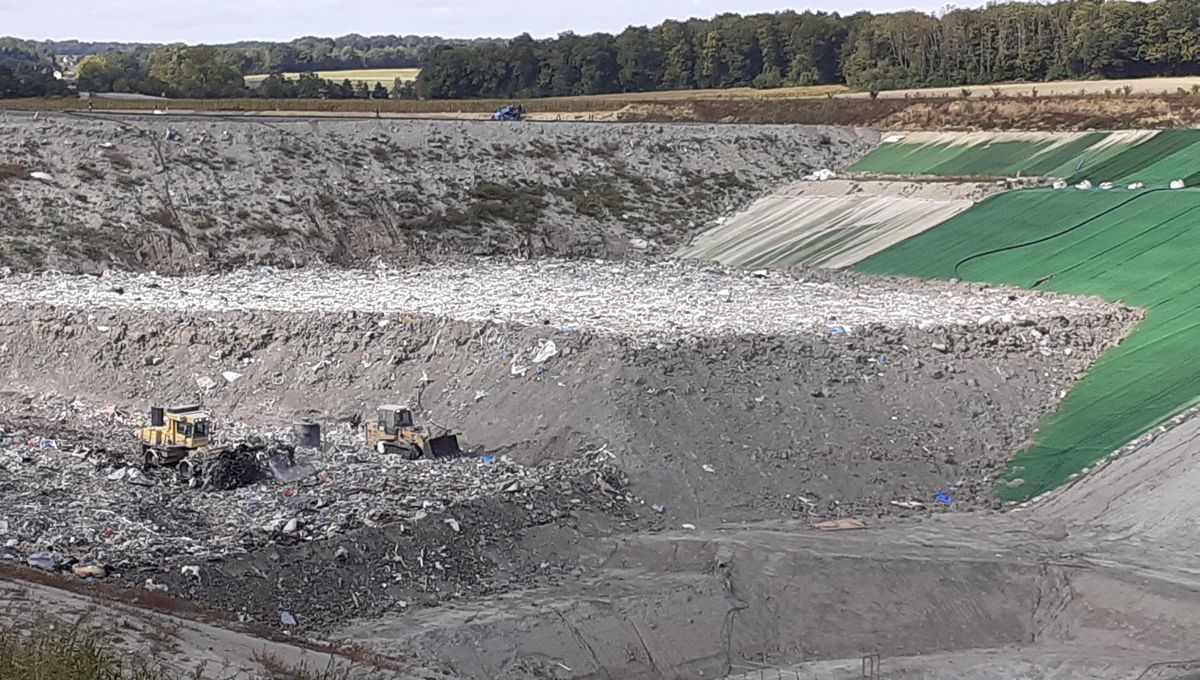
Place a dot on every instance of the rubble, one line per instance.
(104, 515)
(641, 300)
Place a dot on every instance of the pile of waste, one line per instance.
(83, 506)
(642, 300)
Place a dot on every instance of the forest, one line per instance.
(1013, 41)
(999, 42)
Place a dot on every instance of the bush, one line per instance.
(72, 653)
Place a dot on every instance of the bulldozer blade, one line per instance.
(445, 446)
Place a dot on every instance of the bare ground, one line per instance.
(146, 193)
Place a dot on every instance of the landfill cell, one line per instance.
(1136, 247)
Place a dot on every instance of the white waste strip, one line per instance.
(641, 300)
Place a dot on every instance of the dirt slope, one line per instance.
(788, 422)
(185, 194)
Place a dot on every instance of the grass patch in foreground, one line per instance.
(51, 653)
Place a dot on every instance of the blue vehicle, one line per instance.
(510, 113)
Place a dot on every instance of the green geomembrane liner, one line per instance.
(1153, 158)
(1141, 248)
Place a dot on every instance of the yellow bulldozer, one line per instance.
(173, 434)
(393, 432)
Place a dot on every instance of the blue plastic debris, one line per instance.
(837, 330)
(45, 562)
(884, 361)
(287, 619)
(488, 459)
(505, 354)
(941, 497)
(541, 369)
(567, 330)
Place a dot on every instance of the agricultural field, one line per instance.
(370, 76)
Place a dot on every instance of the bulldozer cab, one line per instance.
(191, 428)
(393, 418)
(393, 432)
(173, 433)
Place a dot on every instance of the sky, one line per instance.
(219, 21)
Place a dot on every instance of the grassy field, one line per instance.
(370, 76)
(1059, 88)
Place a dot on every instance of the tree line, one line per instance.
(204, 72)
(26, 71)
(999, 42)
(996, 43)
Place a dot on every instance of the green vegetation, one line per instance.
(1133, 247)
(1013, 41)
(64, 653)
(997, 43)
(27, 70)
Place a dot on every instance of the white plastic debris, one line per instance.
(1136, 185)
(545, 352)
(453, 524)
(892, 139)
(231, 376)
(1084, 185)
(130, 474)
(1060, 184)
(646, 302)
(1105, 186)
(639, 243)
(822, 175)
(43, 177)
(190, 570)
(205, 383)
(1178, 184)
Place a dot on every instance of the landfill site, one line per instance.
(460, 400)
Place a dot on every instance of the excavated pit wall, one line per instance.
(709, 429)
(178, 194)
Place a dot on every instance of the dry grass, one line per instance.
(67, 654)
(1135, 87)
(74, 653)
(1068, 105)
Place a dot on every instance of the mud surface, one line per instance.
(146, 193)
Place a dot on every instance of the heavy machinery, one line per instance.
(173, 434)
(393, 432)
(510, 113)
